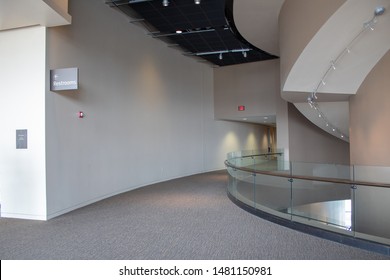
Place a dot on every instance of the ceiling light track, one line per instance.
(221, 52)
(137, 1)
(312, 98)
(151, 15)
(118, 3)
(137, 20)
(181, 32)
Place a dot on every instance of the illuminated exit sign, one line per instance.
(241, 108)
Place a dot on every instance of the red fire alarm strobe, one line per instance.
(241, 108)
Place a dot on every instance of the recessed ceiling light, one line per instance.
(244, 119)
(266, 118)
(197, 2)
(165, 3)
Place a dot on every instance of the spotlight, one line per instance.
(244, 54)
(197, 2)
(220, 56)
(165, 3)
(379, 11)
(333, 65)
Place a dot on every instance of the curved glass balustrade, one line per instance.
(349, 200)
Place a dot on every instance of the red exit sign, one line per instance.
(241, 108)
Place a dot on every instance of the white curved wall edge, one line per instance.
(332, 39)
(336, 112)
(339, 34)
(257, 21)
(23, 13)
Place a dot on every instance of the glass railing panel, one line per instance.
(236, 154)
(371, 213)
(277, 165)
(232, 181)
(249, 158)
(322, 204)
(329, 171)
(273, 195)
(244, 191)
(352, 200)
(246, 153)
(232, 161)
(373, 174)
(247, 162)
(372, 207)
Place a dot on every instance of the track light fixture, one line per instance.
(379, 11)
(221, 51)
(311, 99)
(165, 3)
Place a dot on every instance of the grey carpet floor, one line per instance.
(188, 218)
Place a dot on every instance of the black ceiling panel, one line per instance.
(208, 29)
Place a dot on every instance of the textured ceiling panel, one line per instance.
(207, 29)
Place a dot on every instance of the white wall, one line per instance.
(254, 85)
(148, 112)
(22, 106)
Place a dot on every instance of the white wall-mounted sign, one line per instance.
(64, 79)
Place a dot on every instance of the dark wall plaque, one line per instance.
(21, 139)
(64, 79)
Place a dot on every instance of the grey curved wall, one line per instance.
(149, 112)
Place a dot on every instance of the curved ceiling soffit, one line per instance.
(229, 14)
(258, 22)
(337, 117)
(200, 30)
(339, 40)
(337, 61)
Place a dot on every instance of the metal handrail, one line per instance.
(308, 178)
(259, 155)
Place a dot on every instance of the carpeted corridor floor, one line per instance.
(187, 218)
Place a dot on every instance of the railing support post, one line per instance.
(353, 210)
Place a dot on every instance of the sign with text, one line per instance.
(64, 79)
(21, 139)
